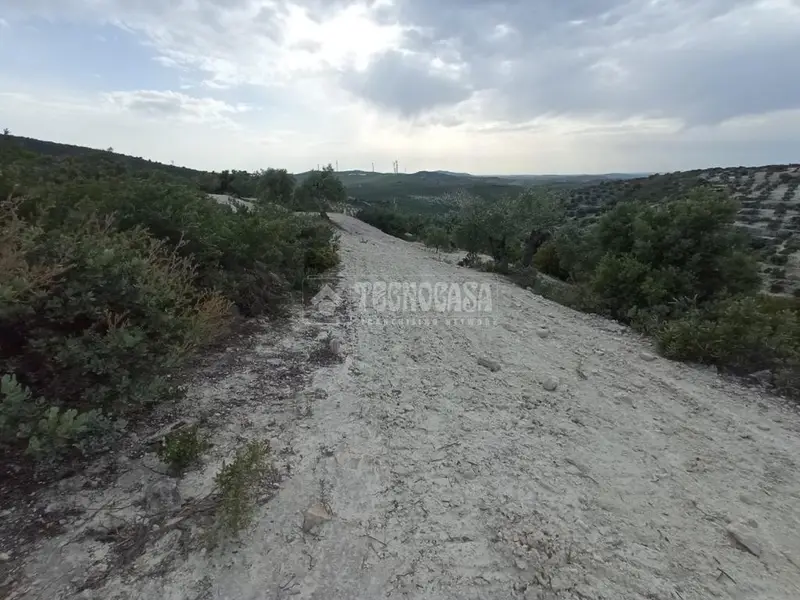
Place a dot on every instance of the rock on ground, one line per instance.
(162, 497)
(550, 383)
(315, 516)
(746, 536)
(492, 365)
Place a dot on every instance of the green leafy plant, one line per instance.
(277, 186)
(745, 334)
(45, 431)
(436, 237)
(183, 448)
(238, 485)
(320, 191)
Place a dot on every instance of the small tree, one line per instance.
(469, 230)
(6, 132)
(276, 185)
(321, 190)
(225, 182)
(537, 214)
(436, 237)
(655, 255)
(511, 229)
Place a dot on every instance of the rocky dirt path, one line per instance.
(544, 455)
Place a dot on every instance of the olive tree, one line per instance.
(320, 191)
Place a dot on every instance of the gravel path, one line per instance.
(545, 455)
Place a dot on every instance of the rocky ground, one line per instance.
(536, 454)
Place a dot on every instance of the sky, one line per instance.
(481, 86)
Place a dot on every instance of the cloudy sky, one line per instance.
(485, 86)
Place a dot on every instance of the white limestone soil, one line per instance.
(453, 470)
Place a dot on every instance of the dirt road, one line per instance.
(542, 454)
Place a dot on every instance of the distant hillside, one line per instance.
(568, 179)
(422, 192)
(435, 191)
(770, 209)
(136, 163)
(80, 160)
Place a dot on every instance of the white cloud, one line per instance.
(175, 105)
(262, 42)
(480, 85)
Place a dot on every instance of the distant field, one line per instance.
(433, 191)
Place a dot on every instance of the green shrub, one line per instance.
(525, 277)
(277, 186)
(93, 318)
(547, 260)
(254, 258)
(387, 220)
(436, 237)
(686, 248)
(321, 190)
(183, 448)
(113, 273)
(43, 430)
(320, 245)
(745, 334)
(618, 283)
(239, 484)
(575, 296)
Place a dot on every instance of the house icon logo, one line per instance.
(326, 294)
(326, 301)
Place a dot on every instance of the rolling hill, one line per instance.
(433, 191)
(769, 197)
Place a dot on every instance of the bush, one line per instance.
(254, 258)
(388, 221)
(321, 191)
(577, 297)
(44, 430)
(744, 334)
(108, 282)
(526, 277)
(652, 255)
(276, 186)
(547, 260)
(182, 448)
(239, 484)
(436, 237)
(92, 318)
